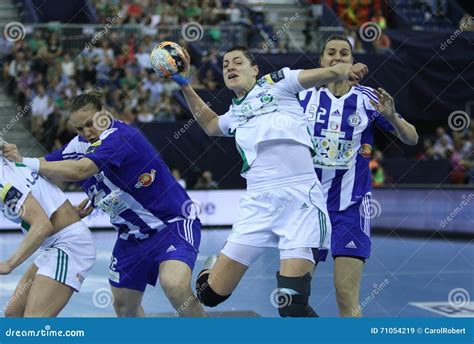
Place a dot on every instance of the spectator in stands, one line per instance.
(316, 11)
(68, 67)
(144, 114)
(36, 42)
(443, 144)
(458, 173)
(154, 86)
(234, 14)
(210, 80)
(466, 23)
(143, 58)
(177, 175)
(164, 110)
(205, 181)
(41, 108)
(376, 169)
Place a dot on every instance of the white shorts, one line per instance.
(288, 217)
(69, 257)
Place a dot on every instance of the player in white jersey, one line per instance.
(283, 206)
(342, 117)
(50, 223)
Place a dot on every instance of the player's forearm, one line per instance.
(202, 113)
(66, 170)
(316, 77)
(32, 241)
(405, 131)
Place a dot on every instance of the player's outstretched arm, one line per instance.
(41, 228)
(202, 113)
(316, 77)
(405, 131)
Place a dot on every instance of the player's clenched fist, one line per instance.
(10, 151)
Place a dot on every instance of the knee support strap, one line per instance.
(293, 295)
(205, 294)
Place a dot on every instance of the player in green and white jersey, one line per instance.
(284, 206)
(50, 223)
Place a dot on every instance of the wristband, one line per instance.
(180, 79)
(32, 163)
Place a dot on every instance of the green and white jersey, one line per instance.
(269, 111)
(16, 182)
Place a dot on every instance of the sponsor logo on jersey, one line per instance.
(333, 125)
(277, 76)
(146, 179)
(92, 148)
(80, 278)
(267, 98)
(354, 120)
(365, 150)
(335, 113)
(351, 245)
(99, 176)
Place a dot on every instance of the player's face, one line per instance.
(239, 74)
(83, 123)
(336, 52)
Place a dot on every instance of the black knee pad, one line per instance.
(293, 295)
(205, 294)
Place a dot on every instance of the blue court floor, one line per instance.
(405, 277)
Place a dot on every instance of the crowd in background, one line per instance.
(40, 74)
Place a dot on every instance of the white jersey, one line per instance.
(16, 182)
(270, 111)
(342, 131)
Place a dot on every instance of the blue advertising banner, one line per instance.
(238, 330)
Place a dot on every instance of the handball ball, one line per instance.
(167, 59)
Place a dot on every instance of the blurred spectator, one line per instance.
(154, 86)
(177, 175)
(466, 23)
(165, 110)
(206, 181)
(41, 108)
(376, 169)
(442, 146)
(234, 15)
(458, 173)
(210, 80)
(316, 11)
(68, 67)
(36, 42)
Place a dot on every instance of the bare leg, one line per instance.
(347, 276)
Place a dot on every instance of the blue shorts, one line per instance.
(350, 231)
(135, 263)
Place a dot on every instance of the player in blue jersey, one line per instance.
(342, 117)
(283, 206)
(124, 176)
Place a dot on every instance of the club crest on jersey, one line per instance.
(354, 120)
(365, 150)
(146, 179)
(267, 98)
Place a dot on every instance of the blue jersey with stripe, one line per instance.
(133, 186)
(343, 137)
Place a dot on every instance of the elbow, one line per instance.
(413, 140)
(46, 228)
